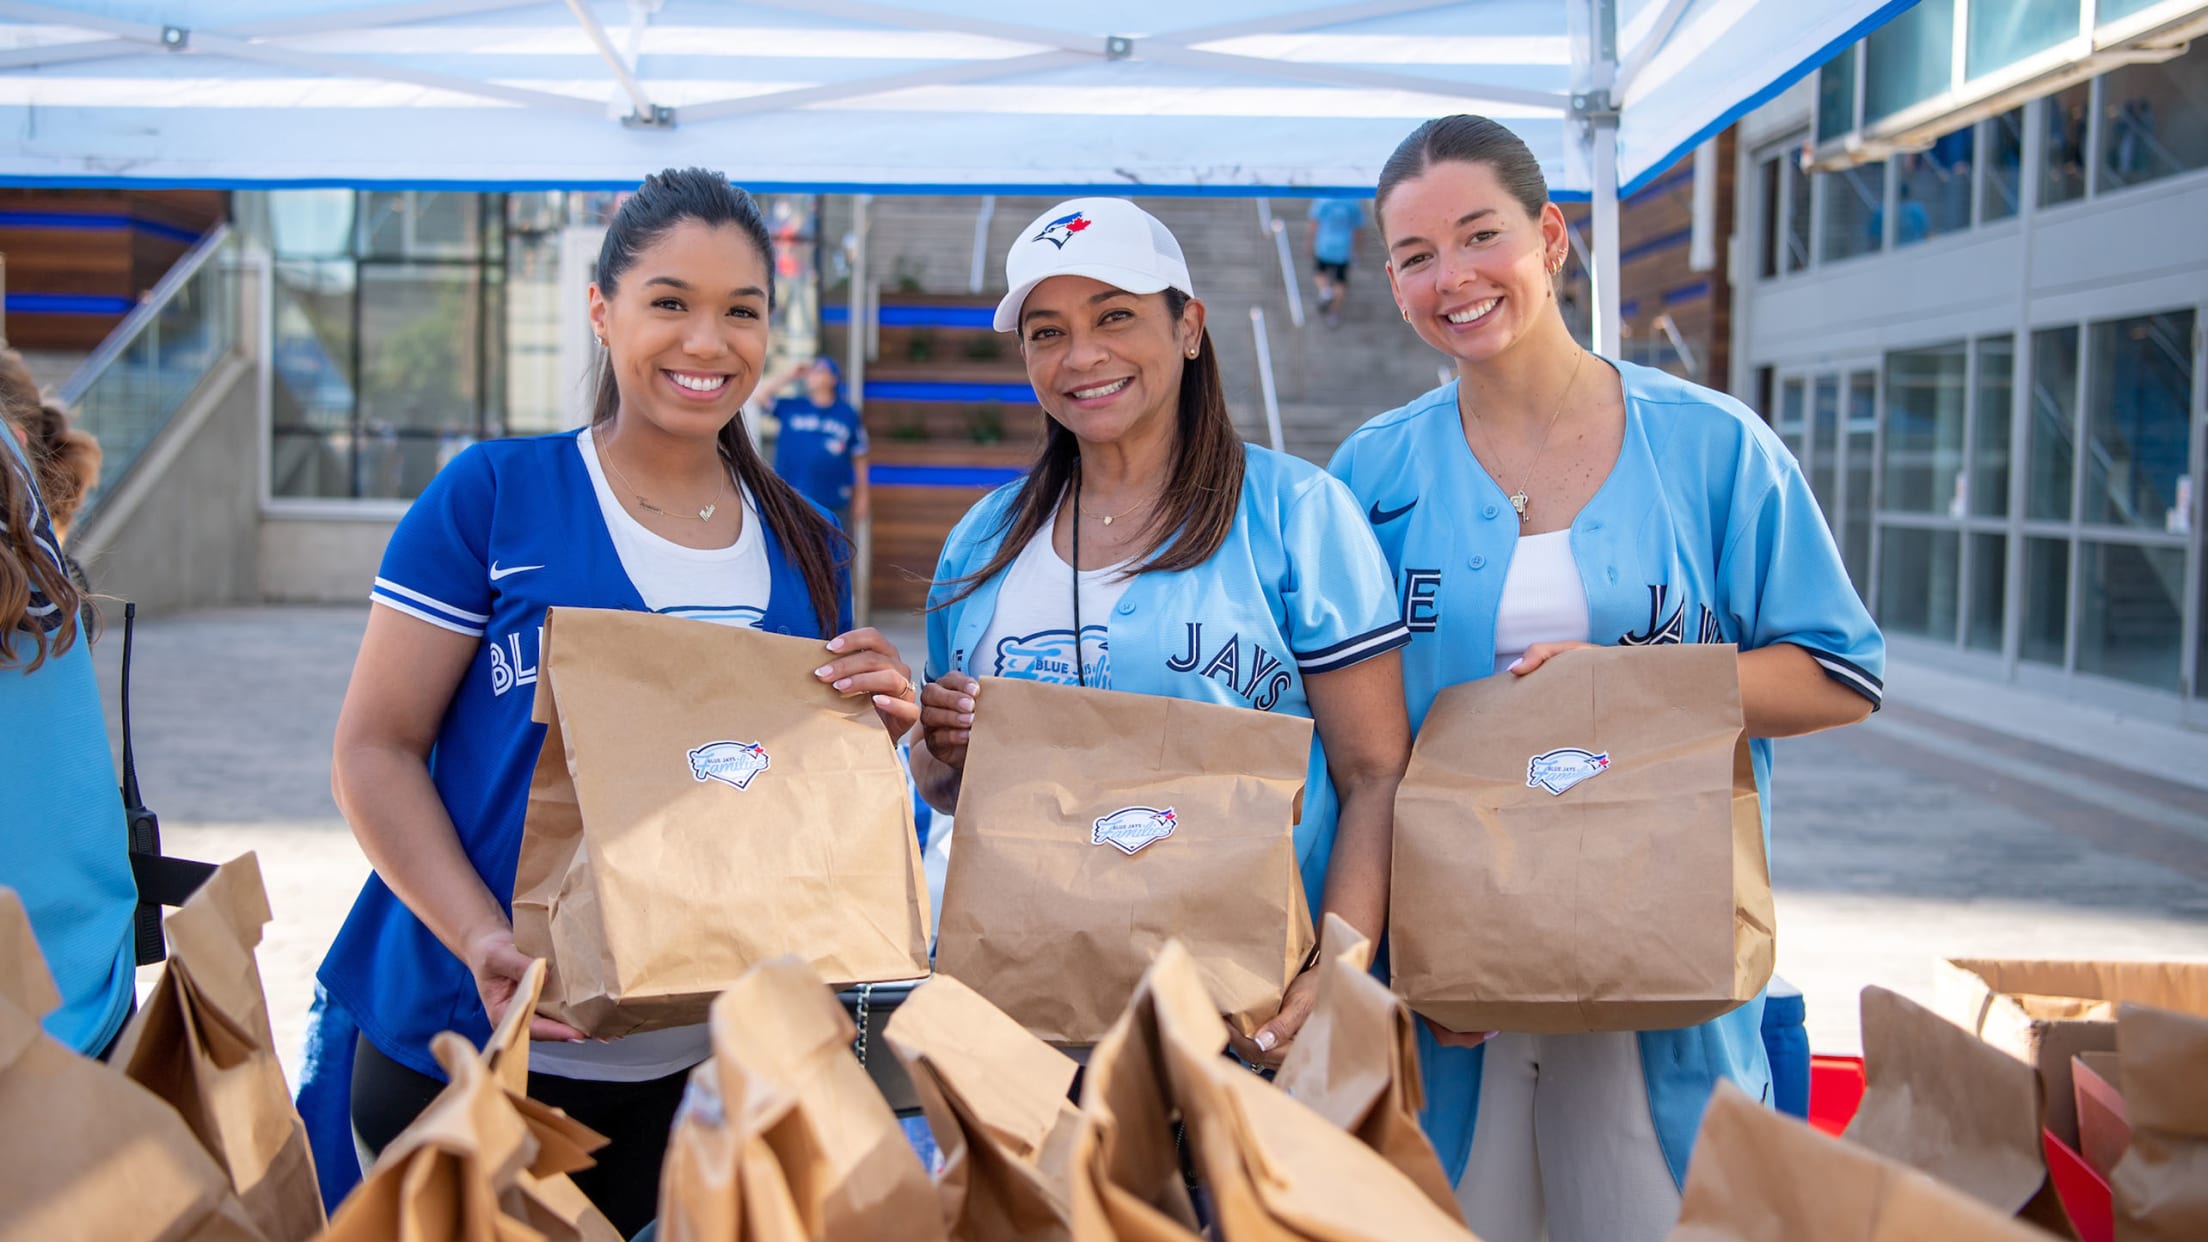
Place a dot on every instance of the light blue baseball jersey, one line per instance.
(1297, 588)
(508, 529)
(1705, 531)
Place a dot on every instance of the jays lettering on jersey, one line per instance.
(1297, 588)
(508, 529)
(1705, 531)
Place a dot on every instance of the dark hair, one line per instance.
(1467, 140)
(666, 199)
(1195, 511)
(30, 569)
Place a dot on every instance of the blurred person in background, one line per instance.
(1333, 235)
(821, 448)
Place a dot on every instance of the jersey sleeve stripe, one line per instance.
(1355, 650)
(420, 615)
(457, 614)
(1851, 675)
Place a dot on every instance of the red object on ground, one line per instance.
(2084, 1195)
(1835, 1090)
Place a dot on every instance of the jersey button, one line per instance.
(1479, 562)
(1126, 608)
(1489, 511)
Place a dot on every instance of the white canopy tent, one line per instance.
(1226, 97)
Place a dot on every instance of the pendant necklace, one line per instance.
(704, 515)
(1519, 499)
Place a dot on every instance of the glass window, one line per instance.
(1836, 95)
(2130, 621)
(2003, 32)
(311, 414)
(2107, 11)
(1909, 59)
(310, 224)
(2003, 165)
(1932, 188)
(1853, 204)
(2138, 440)
(421, 374)
(1989, 581)
(2046, 599)
(1860, 434)
(539, 398)
(1989, 453)
(1769, 248)
(421, 224)
(1790, 424)
(2154, 119)
(1797, 217)
(2052, 436)
(1824, 447)
(1924, 430)
(2064, 115)
(1917, 582)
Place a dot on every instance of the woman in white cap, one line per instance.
(1150, 550)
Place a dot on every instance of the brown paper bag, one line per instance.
(1938, 1099)
(996, 1098)
(1093, 826)
(703, 803)
(1127, 1184)
(1580, 850)
(782, 1135)
(1272, 1168)
(201, 1041)
(2160, 1187)
(1355, 1062)
(544, 1195)
(86, 1155)
(1758, 1176)
(2047, 1012)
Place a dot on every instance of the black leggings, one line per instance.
(635, 1116)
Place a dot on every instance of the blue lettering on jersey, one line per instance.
(509, 668)
(1048, 656)
(1269, 677)
(1422, 600)
(1671, 627)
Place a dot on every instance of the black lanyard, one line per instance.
(1080, 661)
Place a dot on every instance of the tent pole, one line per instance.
(1596, 109)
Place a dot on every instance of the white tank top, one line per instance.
(1544, 600)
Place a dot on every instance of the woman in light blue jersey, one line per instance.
(1547, 499)
(1150, 550)
(62, 835)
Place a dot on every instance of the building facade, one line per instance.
(1986, 345)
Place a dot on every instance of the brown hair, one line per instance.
(1204, 488)
(29, 567)
(1467, 140)
(666, 199)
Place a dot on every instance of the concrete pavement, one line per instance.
(1913, 837)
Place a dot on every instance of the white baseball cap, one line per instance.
(1107, 239)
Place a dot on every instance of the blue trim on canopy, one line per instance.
(1855, 34)
(945, 390)
(942, 476)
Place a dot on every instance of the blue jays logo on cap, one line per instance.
(1131, 828)
(734, 764)
(1560, 769)
(1061, 230)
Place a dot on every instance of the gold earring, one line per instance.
(1405, 312)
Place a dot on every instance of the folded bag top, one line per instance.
(1582, 848)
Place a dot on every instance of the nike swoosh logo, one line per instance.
(511, 570)
(1381, 517)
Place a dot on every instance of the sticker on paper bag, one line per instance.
(1133, 828)
(1560, 769)
(735, 764)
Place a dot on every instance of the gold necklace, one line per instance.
(1519, 499)
(705, 514)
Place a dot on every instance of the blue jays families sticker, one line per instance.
(1061, 230)
(731, 763)
(1130, 829)
(1560, 769)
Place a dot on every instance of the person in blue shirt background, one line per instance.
(661, 504)
(1334, 225)
(63, 840)
(821, 447)
(1150, 550)
(1549, 499)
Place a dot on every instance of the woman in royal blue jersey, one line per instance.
(660, 504)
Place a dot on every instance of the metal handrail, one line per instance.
(141, 316)
(1265, 386)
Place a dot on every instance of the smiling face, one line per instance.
(1468, 264)
(1103, 360)
(686, 328)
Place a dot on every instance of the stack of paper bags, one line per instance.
(2160, 1185)
(90, 1155)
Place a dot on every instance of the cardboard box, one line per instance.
(2103, 1130)
(2047, 1012)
